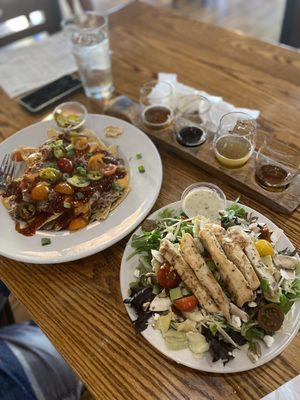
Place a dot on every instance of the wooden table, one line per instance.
(78, 305)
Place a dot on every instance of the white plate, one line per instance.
(66, 246)
(241, 361)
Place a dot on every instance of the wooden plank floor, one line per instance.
(259, 18)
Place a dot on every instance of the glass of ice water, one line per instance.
(88, 34)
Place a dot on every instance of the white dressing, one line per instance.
(202, 201)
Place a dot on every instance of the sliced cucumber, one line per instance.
(175, 293)
(78, 181)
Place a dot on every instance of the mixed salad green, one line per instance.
(163, 300)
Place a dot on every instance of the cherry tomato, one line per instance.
(270, 317)
(40, 191)
(96, 162)
(80, 143)
(109, 170)
(207, 258)
(65, 165)
(77, 223)
(186, 304)
(167, 277)
(17, 156)
(64, 188)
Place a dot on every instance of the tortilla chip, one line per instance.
(120, 199)
(27, 151)
(50, 219)
(52, 133)
(113, 131)
(114, 150)
(102, 214)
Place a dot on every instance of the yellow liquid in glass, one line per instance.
(233, 151)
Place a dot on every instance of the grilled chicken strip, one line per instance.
(231, 275)
(194, 259)
(234, 253)
(239, 236)
(173, 256)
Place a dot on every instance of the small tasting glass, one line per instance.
(276, 164)
(157, 104)
(191, 120)
(234, 141)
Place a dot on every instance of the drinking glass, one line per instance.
(234, 141)
(191, 120)
(276, 164)
(157, 104)
(88, 34)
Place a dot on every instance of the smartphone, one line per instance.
(48, 94)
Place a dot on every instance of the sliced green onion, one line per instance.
(141, 169)
(116, 187)
(139, 156)
(67, 205)
(45, 241)
(79, 195)
(70, 153)
(69, 147)
(81, 170)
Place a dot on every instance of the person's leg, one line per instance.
(48, 374)
(4, 290)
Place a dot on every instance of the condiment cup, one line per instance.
(156, 95)
(205, 185)
(67, 109)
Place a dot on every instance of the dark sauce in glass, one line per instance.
(190, 136)
(271, 176)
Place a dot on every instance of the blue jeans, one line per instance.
(31, 368)
(3, 290)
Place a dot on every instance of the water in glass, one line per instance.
(90, 46)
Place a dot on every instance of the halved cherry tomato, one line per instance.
(77, 223)
(109, 169)
(270, 317)
(65, 165)
(80, 143)
(96, 162)
(17, 156)
(64, 188)
(167, 277)
(40, 191)
(186, 304)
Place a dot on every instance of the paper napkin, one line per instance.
(219, 106)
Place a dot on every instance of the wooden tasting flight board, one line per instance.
(242, 179)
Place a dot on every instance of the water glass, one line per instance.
(157, 104)
(276, 163)
(88, 34)
(234, 141)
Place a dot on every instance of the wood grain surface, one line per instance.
(78, 305)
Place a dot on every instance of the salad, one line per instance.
(216, 287)
(69, 181)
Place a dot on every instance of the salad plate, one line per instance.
(238, 359)
(139, 157)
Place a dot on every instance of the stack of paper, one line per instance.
(27, 68)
